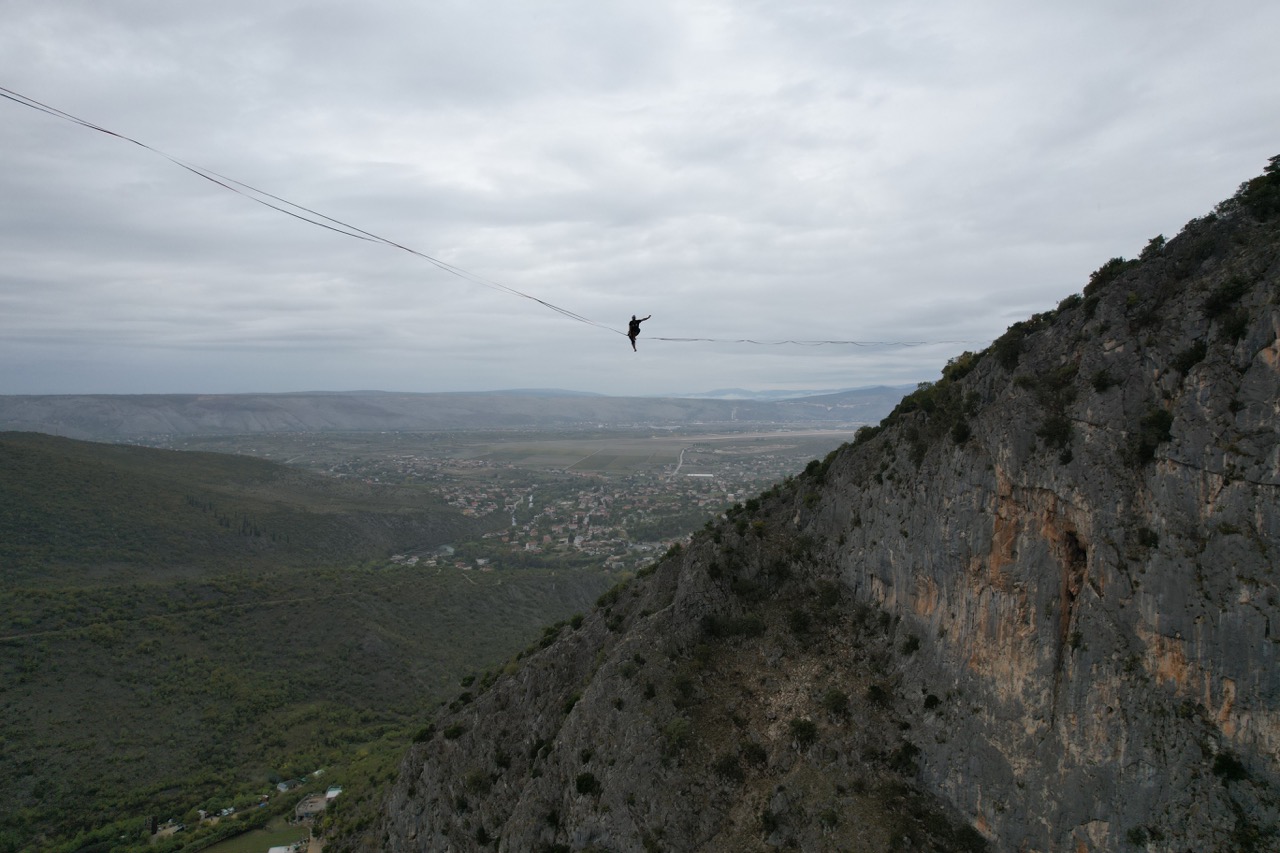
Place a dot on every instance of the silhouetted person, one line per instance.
(633, 329)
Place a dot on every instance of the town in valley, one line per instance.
(613, 498)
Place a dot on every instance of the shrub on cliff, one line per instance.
(1259, 196)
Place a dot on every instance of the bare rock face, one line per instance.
(1033, 610)
(1096, 559)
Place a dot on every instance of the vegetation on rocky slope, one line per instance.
(1031, 608)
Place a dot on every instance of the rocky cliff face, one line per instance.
(1034, 610)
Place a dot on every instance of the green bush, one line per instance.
(1261, 195)
(803, 731)
(676, 735)
(1153, 248)
(865, 434)
(1229, 768)
(728, 767)
(1056, 430)
(732, 626)
(1234, 325)
(1072, 301)
(960, 366)
(1224, 297)
(818, 469)
(836, 701)
(1189, 357)
(1154, 429)
(478, 782)
(903, 759)
(799, 621)
(588, 784)
(1106, 274)
(828, 594)
(754, 753)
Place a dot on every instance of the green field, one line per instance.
(68, 507)
(261, 840)
(659, 455)
(614, 456)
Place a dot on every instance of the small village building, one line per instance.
(310, 807)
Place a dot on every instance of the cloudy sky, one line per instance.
(800, 170)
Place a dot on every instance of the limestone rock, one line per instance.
(1035, 610)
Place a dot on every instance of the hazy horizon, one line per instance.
(708, 394)
(902, 182)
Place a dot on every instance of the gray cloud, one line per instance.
(810, 170)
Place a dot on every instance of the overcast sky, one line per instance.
(861, 171)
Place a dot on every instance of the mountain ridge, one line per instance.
(1031, 610)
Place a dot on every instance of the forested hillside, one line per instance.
(113, 508)
(182, 630)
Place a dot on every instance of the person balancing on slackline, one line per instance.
(633, 329)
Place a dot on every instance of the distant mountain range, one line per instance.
(747, 394)
(121, 417)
